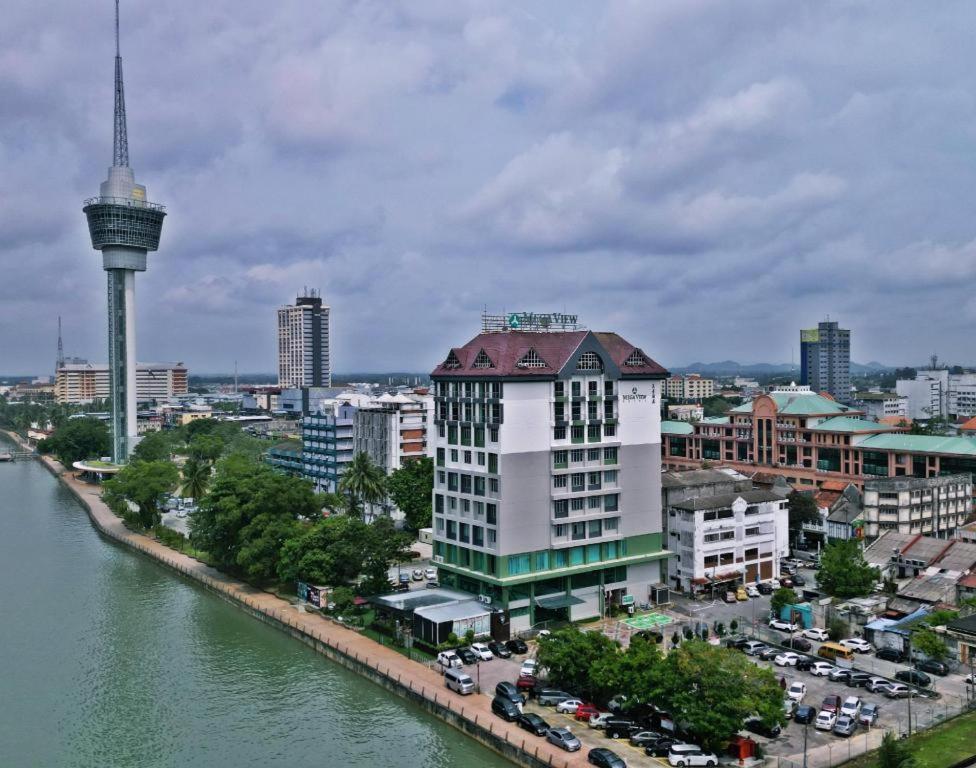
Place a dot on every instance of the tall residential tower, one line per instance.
(124, 226)
(825, 360)
(303, 343)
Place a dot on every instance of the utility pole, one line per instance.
(806, 726)
(909, 687)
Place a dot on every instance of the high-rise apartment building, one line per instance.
(547, 487)
(79, 382)
(825, 360)
(304, 343)
(690, 387)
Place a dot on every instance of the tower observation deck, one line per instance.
(124, 226)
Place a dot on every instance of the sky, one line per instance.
(705, 178)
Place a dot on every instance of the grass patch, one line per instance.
(946, 744)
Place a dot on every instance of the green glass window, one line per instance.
(593, 553)
(542, 560)
(576, 556)
(519, 564)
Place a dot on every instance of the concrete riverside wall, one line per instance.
(411, 680)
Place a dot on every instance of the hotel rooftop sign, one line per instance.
(529, 321)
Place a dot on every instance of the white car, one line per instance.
(815, 633)
(430, 574)
(857, 644)
(783, 626)
(529, 667)
(448, 659)
(787, 659)
(481, 651)
(821, 669)
(825, 721)
(797, 691)
(599, 720)
(752, 591)
(970, 679)
(851, 707)
(774, 583)
(569, 706)
(690, 754)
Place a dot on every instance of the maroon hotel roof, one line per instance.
(505, 349)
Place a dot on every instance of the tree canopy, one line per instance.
(802, 509)
(929, 643)
(77, 439)
(781, 598)
(411, 489)
(571, 657)
(145, 483)
(363, 483)
(844, 572)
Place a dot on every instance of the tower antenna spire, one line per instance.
(120, 142)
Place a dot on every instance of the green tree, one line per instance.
(837, 629)
(894, 753)
(411, 489)
(156, 446)
(329, 552)
(929, 643)
(802, 509)
(780, 599)
(363, 482)
(843, 571)
(716, 406)
(383, 546)
(206, 447)
(196, 478)
(200, 427)
(710, 690)
(570, 655)
(77, 439)
(145, 484)
(630, 672)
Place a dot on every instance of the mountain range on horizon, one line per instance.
(733, 367)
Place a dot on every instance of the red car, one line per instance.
(831, 703)
(526, 682)
(584, 711)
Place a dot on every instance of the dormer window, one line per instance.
(589, 361)
(636, 359)
(531, 359)
(452, 363)
(483, 361)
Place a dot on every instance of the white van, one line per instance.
(459, 682)
(682, 755)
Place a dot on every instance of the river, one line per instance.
(108, 659)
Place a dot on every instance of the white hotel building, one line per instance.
(547, 488)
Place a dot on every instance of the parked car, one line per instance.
(851, 707)
(448, 659)
(789, 707)
(857, 644)
(869, 714)
(661, 747)
(417, 575)
(877, 685)
(620, 728)
(797, 643)
(564, 739)
(939, 668)
(857, 679)
(804, 714)
(467, 655)
(845, 726)
(897, 691)
(505, 709)
(517, 646)
(815, 633)
(797, 691)
(569, 706)
(599, 720)
(482, 651)
(430, 574)
(783, 625)
(729, 597)
(498, 649)
(831, 703)
(798, 580)
(756, 725)
(616, 704)
(737, 641)
(970, 679)
(821, 669)
(584, 712)
(825, 721)
(741, 594)
(529, 667)
(787, 659)
(752, 647)
(764, 588)
(433, 585)
(405, 578)
(690, 754)
(605, 758)
(459, 681)
(509, 691)
(527, 683)
(805, 664)
(752, 591)
(643, 738)
(889, 654)
(839, 674)
(914, 677)
(531, 722)
(550, 697)
(785, 581)
(768, 653)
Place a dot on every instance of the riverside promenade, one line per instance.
(411, 680)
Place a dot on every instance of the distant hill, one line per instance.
(733, 368)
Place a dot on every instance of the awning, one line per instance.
(558, 601)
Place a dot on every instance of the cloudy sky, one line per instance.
(703, 177)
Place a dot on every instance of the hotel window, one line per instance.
(467, 457)
(593, 388)
(577, 412)
(479, 486)
(577, 389)
(559, 389)
(593, 433)
(711, 561)
(518, 564)
(577, 504)
(440, 457)
(438, 503)
(560, 508)
(608, 388)
(611, 502)
(608, 409)
(465, 483)
(452, 530)
(542, 560)
(441, 478)
(593, 502)
(593, 553)
(578, 531)
(477, 535)
(559, 433)
(481, 458)
(610, 477)
(493, 484)
(465, 435)
(594, 481)
(464, 557)
(452, 503)
(596, 529)
(492, 537)
(609, 455)
(611, 549)
(479, 437)
(465, 507)
(559, 459)
(579, 481)
(593, 454)
(452, 481)
(593, 410)
(493, 463)
(465, 533)
(439, 523)
(576, 556)
(752, 531)
(609, 430)
(493, 434)
(560, 530)
(559, 481)
(452, 435)
(559, 412)
(479, 508)
(560, 558)
(577, 455)
(611, 524)
(576, 434)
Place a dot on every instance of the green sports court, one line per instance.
(648, 621)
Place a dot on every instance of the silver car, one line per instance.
(564, 739)
(845, 726)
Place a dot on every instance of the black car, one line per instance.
(755, 725)
(661, 747)
(805, 664)
(466, 655)
(804, 714)
(620, 728)
(797, 643)
(516, 645)
(737, 641)
(532, 723)
(768, 653)
(505, 709)
(890, 654)
(858, 679)
(499, 649)
(914, 677)
(939, 668)
(799, 581)
(509, 691)
(764, 588)
(605, 758)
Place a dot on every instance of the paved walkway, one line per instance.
(413, 676)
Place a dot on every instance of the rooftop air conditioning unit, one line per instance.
(438, 558)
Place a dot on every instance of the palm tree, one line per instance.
(363, 482)
(196, 477)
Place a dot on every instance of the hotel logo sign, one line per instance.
(636, 396)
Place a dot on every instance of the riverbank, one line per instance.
(389, 669)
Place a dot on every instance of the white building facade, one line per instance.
(304, 343)
(81, 383)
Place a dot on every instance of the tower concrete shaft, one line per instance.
(124, 226)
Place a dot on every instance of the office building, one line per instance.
(689, 388)
(327, 445)
(124, 226)
(881, 405)
(392, 429)
(80, 382)
(930, 506)
(937, 393)
(547, 498)
(825, 360)
(304, 343)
